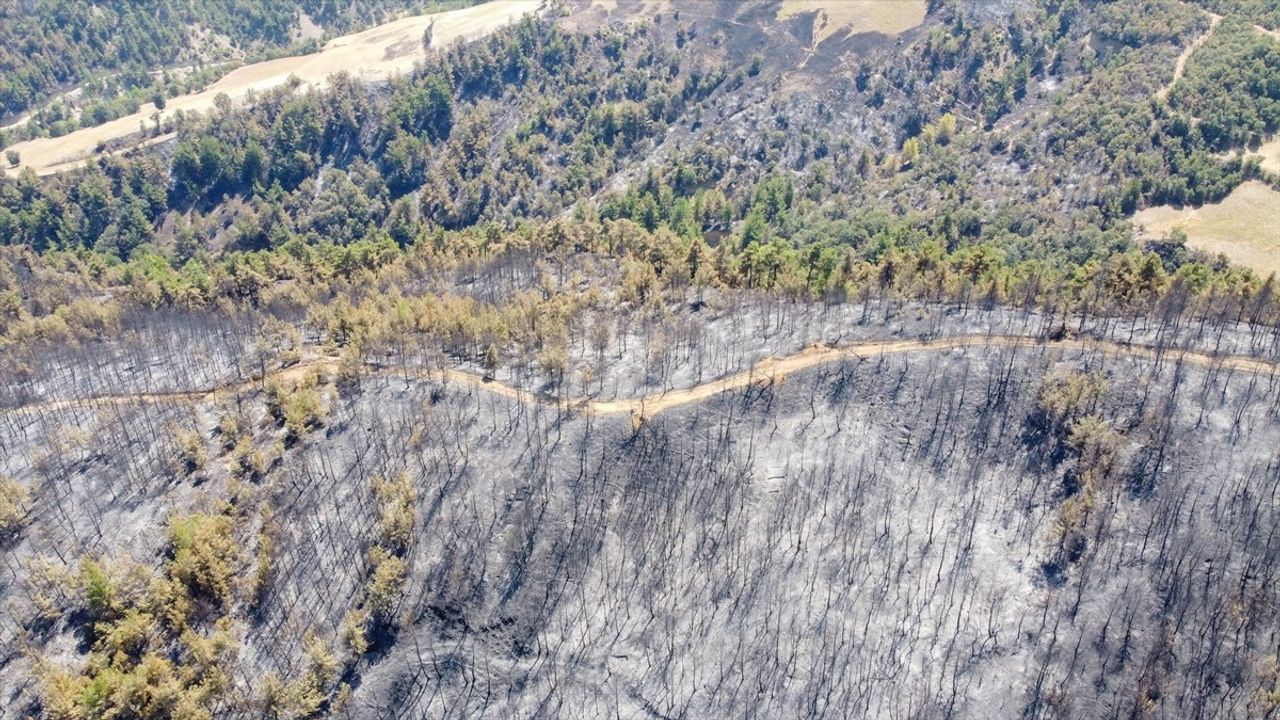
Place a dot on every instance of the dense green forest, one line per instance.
(535, 121)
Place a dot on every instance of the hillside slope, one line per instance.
(1039, 529)
(663, 359)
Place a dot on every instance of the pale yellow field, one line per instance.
(856, 16)
(374, 54)
(1245, 226)
(1268, 152)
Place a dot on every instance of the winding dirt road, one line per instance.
(1181, 65)
(766, 371)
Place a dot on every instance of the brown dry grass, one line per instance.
(368, 55)
(856, 16)
(1245, 226)
(1270, 154)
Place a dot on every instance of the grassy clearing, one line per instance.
(848, 17)
(1245, 226)
(1268, 152)
(373, 54)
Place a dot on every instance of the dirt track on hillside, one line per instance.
(765, 372)
(1181, 65)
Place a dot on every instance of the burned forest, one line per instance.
(631, 359)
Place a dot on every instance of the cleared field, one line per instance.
(848, 17)
(1245, 226)
(1268, 152)
(373, 54)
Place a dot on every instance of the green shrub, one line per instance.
(97, 589)
(13, 513)
(386, 583)
(396, 501)
(203, 549)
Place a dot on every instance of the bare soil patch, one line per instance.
(849, 17)
(308, 29)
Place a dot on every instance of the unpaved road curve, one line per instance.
(1181, 64)
(766, 371)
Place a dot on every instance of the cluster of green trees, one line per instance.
(437, 132)
(109, 97)
(1230, 92)
(159, 641)
(1154, 150)
(375, 615)
(581, 103)
(354, 297)
(415, 141)
(13, 511)
(1263, 14)
(531, 122)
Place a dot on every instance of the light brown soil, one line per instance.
(847, 17)
(1270, 153)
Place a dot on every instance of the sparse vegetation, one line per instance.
(154, 653)
(374, 615)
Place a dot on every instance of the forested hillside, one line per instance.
(689, 359)
(52, 45)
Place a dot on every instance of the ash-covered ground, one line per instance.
(915, 535)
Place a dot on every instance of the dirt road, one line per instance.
(1181, 64)
(766, 371)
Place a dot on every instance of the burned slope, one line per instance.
(1008, 531)
(913, 535)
